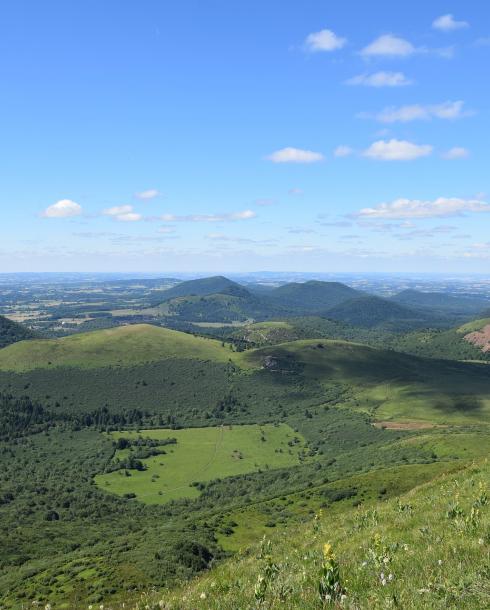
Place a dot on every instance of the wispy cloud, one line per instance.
(294, 155)
(447, 23)
(65, 208)
(148, 194)
(324, 40)
(443, 207)
(380, 79)
(295, 191)
(265, 202)
(221, 237)
(457, 152)
(226, 217)
(342, 151)
(396, 150)
(166, 230)
(418, 112)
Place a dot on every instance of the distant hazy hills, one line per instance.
(439, 301)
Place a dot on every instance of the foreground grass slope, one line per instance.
(429, 548)
(124, 345)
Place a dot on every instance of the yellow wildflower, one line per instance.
(327, 551)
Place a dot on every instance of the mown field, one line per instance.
(202, 454)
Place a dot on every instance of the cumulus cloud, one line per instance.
(417, 112)
(443, 207)
(396, 150)
(457, 152)
(380, 79)
(342, 151)
(294, 155)
(388, 45)
(447, 23)
(227, 217)
(324, 40)
(65, 208)
(123, 213)
(148, 194)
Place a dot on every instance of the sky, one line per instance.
(235, 136)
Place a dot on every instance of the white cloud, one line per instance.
(123, 213)
(417, 112)
(148, 194)
(380, 79)
(396, 150)
(65, 208)
(295, 191)
(342, 151)
(227, 217)
(447, 23)
(265, 202)
(324, 40)
(388, 45)
(294, 155)
(457, 152)
(442, 207)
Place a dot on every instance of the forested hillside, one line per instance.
(11, 332)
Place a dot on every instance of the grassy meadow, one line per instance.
(202, 454)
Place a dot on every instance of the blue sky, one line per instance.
(224, 136)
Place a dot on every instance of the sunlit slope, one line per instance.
(428, 548)
(123, 346)
(384, 383)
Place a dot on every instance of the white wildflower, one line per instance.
(203, 595)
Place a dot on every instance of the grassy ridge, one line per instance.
(125, 345)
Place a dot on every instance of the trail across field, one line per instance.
(201, 455)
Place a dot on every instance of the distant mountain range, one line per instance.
(219, 299)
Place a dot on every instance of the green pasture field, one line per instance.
(200, 455)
